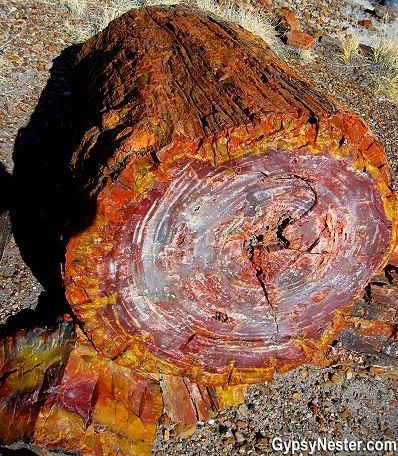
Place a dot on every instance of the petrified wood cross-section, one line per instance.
(239, 214)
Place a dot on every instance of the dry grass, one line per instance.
(109, 13)
(93, 19)
(304, 55)
(256, 19)
(76, 32)
(386, 54)
(385, 67)
(348, 48)
(77, 7)
(87, 19)
(386, 86)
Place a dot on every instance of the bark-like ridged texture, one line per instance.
(239, 214)
(155, 78)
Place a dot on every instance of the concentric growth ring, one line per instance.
(234, 264)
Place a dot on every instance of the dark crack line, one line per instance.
(259, 276)
(307, 182)
(282, 225)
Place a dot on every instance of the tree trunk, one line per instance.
(238, 216)
(239, 212)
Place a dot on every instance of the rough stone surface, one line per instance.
(287, 20)
(298, 39)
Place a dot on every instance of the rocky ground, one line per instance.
(306, 403)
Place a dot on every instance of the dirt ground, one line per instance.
(339, 402)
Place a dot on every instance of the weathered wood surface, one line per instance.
(239, 215)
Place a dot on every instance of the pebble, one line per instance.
(239, 437)
(344, 414)
(303, 373)
(183, 431)
(241, 424)
(243, 410)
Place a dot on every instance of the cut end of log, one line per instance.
(233, 266)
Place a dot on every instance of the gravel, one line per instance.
(304, 404)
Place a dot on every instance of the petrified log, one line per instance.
(239, 214)
(238, 210)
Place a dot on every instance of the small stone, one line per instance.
(265, 3)
(349, 374)
(297, 396)
(367, 23)
(303, 373)
(344, 414)
(241, 424)
(243, 410)
(212, 422)
(299, 40)
(166, 435)
(53, 48)
(264, 389)
(327, 384)
(367, 51)
(15, 59)
(239, 437)
(229, 441)
(287, 20)
(336, 379)
(183, 431)
(261, 439)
